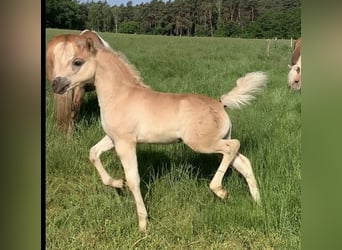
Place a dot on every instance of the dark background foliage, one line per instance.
(224, 18)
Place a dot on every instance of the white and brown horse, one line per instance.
(132, 113)
(294, 77)
(67, 106)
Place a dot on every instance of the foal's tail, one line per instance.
(246, 86)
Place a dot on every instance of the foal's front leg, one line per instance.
(95, 152)
(127, 153)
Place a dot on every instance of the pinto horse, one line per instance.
(294, 76)
(66, 106)
(132, 113)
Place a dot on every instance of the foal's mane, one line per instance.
(131, 68)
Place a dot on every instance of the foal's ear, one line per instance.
(90, 46)
(290, 67)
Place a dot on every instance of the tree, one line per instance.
(233, 18)
(129, 27)
(94, 13)
(107, 24)
(64, 14)
(116, 14)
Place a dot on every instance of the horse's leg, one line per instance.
(229, 149)
(77, 99)
(243, 165)
(128, 157)
(95, 152)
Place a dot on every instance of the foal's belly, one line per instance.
(158, 136)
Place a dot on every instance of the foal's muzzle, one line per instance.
(60, 85)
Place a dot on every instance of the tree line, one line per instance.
(225, 18)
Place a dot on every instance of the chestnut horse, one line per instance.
(131, 113)
(294, 76)
(66, 106)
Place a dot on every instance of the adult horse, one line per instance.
(294, 76)
(67, 106)
(131, 113)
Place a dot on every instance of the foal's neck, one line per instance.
(119, 69)
(114, 77)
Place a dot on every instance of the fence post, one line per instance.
(268, 48)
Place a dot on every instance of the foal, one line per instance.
(131, 113)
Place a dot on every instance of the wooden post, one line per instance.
(268, 48)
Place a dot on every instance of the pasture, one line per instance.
(82, 213)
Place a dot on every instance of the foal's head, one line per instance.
(73, 63)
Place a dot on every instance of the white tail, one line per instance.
(246, 86)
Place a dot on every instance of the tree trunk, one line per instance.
(252, 14)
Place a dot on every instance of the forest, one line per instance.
(216, 18)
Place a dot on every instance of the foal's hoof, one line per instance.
(221, 193)
(117, 183)
(142, 224)
(256, 198)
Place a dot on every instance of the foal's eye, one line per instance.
(77, 62)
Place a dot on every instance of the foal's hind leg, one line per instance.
(229, 149)
(243, 165)
(95, 152)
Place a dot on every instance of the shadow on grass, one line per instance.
(89, 109)
(155, 164)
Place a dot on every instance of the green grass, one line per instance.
(82, 213)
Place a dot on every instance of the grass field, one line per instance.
(82, 213)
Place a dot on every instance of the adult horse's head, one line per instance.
(294, 75)
(71, 63)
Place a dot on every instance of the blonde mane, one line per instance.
(131, 68)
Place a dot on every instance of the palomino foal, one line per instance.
(131, 113)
